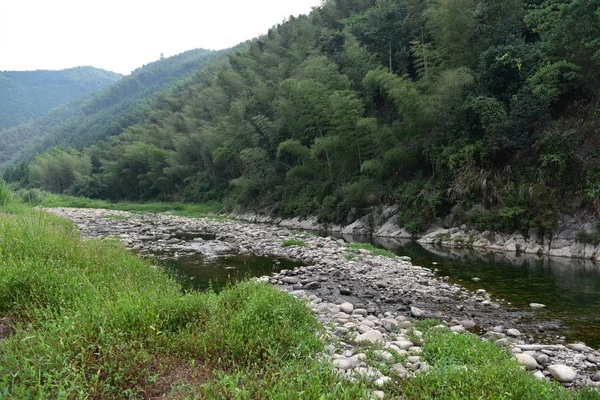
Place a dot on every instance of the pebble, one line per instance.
(513, 332)
(417, 312)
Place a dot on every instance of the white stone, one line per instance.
(536, 305)
(562, 373)
(529, 362)
(345, 363)
(513, 332)
(347, 308)
(372, 336)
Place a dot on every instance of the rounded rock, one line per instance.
(562, 373)
(526, 360)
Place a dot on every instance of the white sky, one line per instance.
(122, 35)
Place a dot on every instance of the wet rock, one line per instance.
(536, 305)
(312, 285)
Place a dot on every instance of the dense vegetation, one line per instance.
(29, 94)
(487, 108)
(87, 319)
(102, 114)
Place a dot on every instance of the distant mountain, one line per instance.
(102, 114)
(25, 95)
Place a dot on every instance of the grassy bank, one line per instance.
(181, 209)
(90, 320)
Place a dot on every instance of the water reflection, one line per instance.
(569, 288)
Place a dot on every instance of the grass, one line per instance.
(93, 320)
(181, 209)
(465, 367)
(293, 242)
(355, 247)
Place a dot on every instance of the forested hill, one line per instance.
(487, 108)
(25, 95)
(101, 114)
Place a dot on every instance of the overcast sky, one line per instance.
(122, 35)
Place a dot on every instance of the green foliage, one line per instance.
(29, 94)
(6, 195)
(420, 104)
(372, 249)
(293, 242)
(93, 320)
(462, 366)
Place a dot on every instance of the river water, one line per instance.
(569, 288)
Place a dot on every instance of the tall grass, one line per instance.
(95, 321)
(6, 195)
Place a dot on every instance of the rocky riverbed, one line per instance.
(359, 297)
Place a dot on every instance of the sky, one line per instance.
(122, 35)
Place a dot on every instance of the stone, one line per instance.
(347, 307)
(526, 360)
(400, 369)
(312, 285)
(291, 280)
(379, 394)
(384, 356)
(537, 305)
(389, 324)
(457, 328)
(372, 336)
(345, 291)
(562, 373)
(403, 344)
(539, 375)
(578, 347)
(596, 378)
(382, 381)
(360, 311)
(417, 312)
(345, 363)
(503, 342)
(513, 332)
(340, 331)
(467, 323)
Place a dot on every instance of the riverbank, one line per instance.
(383, 222)
(391, 293)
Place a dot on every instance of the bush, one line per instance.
(6, 196)
(293, 242)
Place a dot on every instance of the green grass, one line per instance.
(93, 320)
(464, 367)
(293, 242)
(181, 209)
(367, 246)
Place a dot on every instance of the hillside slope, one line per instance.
(487, 109)
(25, 95)
(102, 114)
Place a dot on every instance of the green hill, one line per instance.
(102, 114)
(486, 108)
(25, 95)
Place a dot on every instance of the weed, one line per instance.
(293, 242)
(372, 249)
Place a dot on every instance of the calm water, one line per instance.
(569, 288)
(197, 273)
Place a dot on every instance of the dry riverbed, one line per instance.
(361, 298)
